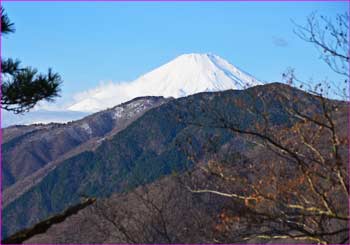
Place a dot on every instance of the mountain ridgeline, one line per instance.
(157, 143)
(42, 147)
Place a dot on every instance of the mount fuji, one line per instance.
(185, 75)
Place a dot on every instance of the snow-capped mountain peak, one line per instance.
(193, 73)
(185, 75)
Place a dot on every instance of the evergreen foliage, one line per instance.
(23, 87)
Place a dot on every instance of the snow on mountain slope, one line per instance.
(185, 75)
(40, 116)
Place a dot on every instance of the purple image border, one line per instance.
(348, 132)
(1, 129)
(174, 1)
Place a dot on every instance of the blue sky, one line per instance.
(89, 42)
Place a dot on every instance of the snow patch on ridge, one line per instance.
(86, 127)
(118, 112)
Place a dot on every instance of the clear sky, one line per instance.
(89, 42)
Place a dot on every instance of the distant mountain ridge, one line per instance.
(185, 75)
